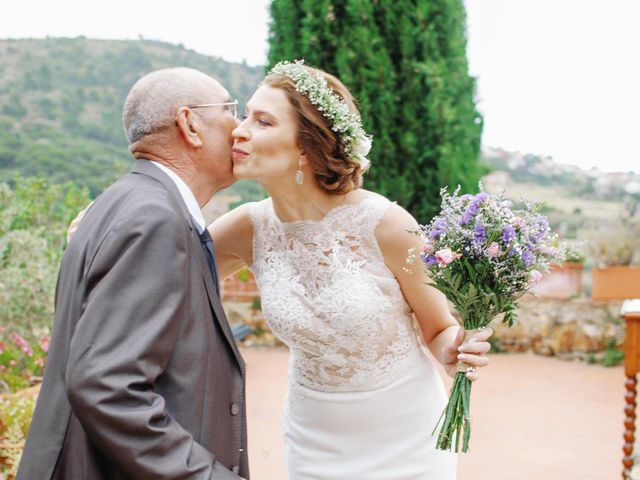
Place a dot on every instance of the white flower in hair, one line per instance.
(346, 124)
(362, 145)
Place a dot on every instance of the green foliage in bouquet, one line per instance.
(483, 255)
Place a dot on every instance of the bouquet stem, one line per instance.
(457, 420)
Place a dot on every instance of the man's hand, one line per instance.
(472, 353)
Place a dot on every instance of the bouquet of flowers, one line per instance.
(483, 255)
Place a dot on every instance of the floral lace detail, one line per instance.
(327, 293)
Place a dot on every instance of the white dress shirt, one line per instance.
(187, 196)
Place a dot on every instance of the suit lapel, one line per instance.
(146, 168)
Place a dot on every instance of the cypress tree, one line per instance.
(405, 62)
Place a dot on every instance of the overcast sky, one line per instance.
(555, 77)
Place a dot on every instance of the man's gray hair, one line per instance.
(153, 100)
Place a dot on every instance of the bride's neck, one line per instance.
(301, 202)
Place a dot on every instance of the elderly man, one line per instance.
(144, 380)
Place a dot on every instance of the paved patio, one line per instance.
(533, 418)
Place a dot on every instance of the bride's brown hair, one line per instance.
(332, 169)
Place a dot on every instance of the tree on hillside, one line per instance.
(405, 62)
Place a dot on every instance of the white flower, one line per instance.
(363, 161)
(362, 145)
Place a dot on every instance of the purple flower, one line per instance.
(508, 234)
(527, 257)
(479, 233)
(439, 228)
(474, 206)
(429, 260)
(470, 212)
(542, 228)
(482, 197)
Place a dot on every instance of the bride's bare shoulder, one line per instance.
(393, 233)
(394, 219)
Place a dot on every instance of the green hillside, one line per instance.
(61, 101)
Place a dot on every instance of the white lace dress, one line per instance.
(363, 396)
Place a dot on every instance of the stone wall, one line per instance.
(577, 328)
(573, 328)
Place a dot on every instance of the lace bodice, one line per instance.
(327, 293)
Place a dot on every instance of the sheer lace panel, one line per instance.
(328, 295)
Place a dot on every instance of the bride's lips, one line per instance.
(239, 153)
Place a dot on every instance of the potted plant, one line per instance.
(563, 280)
(615, 248)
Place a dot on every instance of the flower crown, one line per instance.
(346, 124)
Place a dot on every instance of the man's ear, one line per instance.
(188, 127)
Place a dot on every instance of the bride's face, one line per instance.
(265, 144)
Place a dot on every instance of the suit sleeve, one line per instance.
(123, 342)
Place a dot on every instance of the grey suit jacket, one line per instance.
(144, 379)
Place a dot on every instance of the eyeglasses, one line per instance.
(229, 106)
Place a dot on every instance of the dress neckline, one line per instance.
(330, 213)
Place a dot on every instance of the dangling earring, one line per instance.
(299, 174)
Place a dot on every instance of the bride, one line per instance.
(329, 259)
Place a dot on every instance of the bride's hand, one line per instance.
(472, 353)
(73, 226)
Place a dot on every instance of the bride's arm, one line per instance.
(232, 235)
(440, 330)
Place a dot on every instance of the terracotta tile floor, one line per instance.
(534, 418)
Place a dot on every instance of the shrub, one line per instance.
(34, 216)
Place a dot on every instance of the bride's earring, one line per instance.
(299, 174)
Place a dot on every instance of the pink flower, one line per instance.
(18, 340)
(517, 222)
(45, 340)
(21, 343)
(1, 346)
(535, 276)
(445, 257)
(12, 363)
(40, 362)
(427, 247)
(493, 250)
